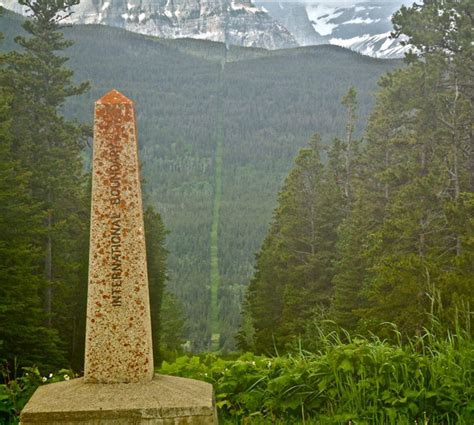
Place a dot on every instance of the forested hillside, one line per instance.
(191, 96)
(379, 239)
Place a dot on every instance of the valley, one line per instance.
(262, 108)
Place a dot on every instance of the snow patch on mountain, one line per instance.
(250, 8)
(379, 46)
(360, 20)
(322, 16)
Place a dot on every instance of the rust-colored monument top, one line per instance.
(118, 327)
(114, 97)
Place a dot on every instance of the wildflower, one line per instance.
(50, 375)
(44, 379)
(253, 364)
(66, 377)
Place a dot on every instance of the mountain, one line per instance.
(236, 22)
(210, 118)
(360, 26)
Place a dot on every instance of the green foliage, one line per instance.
(15, 391)
(293, 280)
(362, 381)
(172, 327)
(156, 253)
(405, 242)
(23, 337)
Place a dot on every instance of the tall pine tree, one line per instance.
(155, 235)
(49, 147)
(292, 283)
(24, 339)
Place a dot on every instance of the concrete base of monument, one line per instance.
(167, 400)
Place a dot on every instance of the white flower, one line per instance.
(253, 363)
(66, 377)
(44, 379)
(50, 375)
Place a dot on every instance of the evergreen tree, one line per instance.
(77, 302)
(350, 145)
(49, 147)
(404, 239)
(264, 298)
(294, 268)
(24, 340)
(345, 168)
(172, 327)
(156, 252)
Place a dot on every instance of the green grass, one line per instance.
(429, 380)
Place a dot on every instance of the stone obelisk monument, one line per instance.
(118, 331)
(119, 385)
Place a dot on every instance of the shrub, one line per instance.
(363, 381)
(16, 391)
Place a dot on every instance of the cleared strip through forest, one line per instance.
(215, 276)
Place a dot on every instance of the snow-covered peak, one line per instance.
(363, 26)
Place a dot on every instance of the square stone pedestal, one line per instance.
(166, 400)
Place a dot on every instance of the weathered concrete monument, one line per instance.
(118, 330)
(119, 385)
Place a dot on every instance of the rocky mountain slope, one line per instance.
(236, 22)
(361, 26)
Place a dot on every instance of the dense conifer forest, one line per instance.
(353, 300)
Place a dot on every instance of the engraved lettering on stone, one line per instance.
(116, 260)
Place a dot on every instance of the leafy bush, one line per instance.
(428, 381)
(16, 391)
